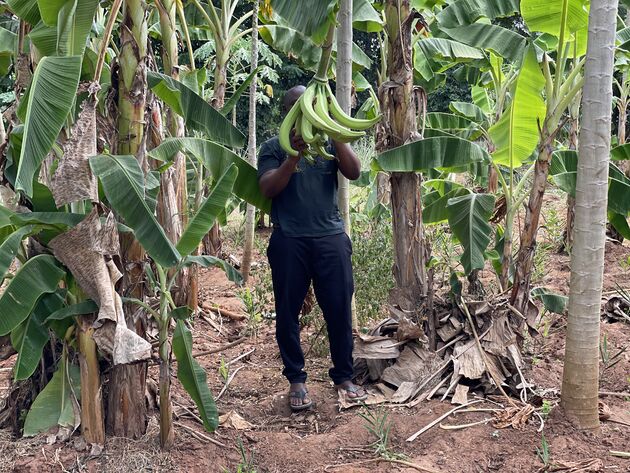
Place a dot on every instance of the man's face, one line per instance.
(292, 96)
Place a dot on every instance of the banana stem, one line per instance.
(324, 61)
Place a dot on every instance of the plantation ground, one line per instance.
(315, 441)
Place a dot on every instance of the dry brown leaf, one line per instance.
(234, 421)
(461, 394)
(515, 417)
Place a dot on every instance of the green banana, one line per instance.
(321, 151)
(284, 135)
(340, 133)
(306, 104)
(306, 129)
(343, 118)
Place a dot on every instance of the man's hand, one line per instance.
(297, 143)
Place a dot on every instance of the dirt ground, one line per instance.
(325, 439)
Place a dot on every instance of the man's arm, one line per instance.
(274, 181)
(349, 164)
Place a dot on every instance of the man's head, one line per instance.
(292, 95)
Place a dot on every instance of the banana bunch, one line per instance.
(317, 116)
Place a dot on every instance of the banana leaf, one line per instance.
(620, 223)
(300, 47)
(27, 10)
(516, 135)
(217, 159)
(10, 247)
(501, 41)
(442, 48)
(204, 219)
(198, 114)
(123, 184)
(52, 94)
(39, 275)
(454, 124)
(445, 153)
(57, 404)
(81, 308)
(563, 172)
(8, 42)
(74, 25)
(468, 110)
(193, 377)
(233, 100)
(210, 261)
(365, 17)
(556, 16)
(312, 18)
(620, 153)
(30, 337)
(466, 12)
(552, 302)
(468, 217)
(435, 205)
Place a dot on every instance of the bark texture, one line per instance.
(126, 408)
(580, 381)
(398, 127)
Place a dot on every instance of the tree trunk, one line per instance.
(567, 241)
(250, 216)
(580, 380)
(92, 425)
(175, 177)
(212, 241)
(397, 128)
(127, 413)
(525, 260)
(344, 97)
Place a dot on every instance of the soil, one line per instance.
(319, 439)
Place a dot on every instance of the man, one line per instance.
(309, 243)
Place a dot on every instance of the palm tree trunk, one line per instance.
(250, 215)
(127, 413)
(580, 380)
(568, 231)
(399, 127)
(344, 97)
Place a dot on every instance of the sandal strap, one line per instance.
(301, 394)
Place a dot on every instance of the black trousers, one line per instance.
(327, 262)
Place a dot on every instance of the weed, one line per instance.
(377, 424)
(546, 408)
(246, 465)
(544, 453)
(553, 236)
(607, 360)
(224, 370)
(254, 309)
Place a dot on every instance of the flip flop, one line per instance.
(301, 395)
(354, 389)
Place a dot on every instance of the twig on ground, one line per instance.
(619, 454)
(228, 313)
(452, 342)
(377, 460)
(227, 383)
(199, 435)
(465, 426)
(220, 349)
(610, 393)
(240, 357)
(440, 419)
(194, 416)
(436, 388)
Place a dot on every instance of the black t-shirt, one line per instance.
(307, 206)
